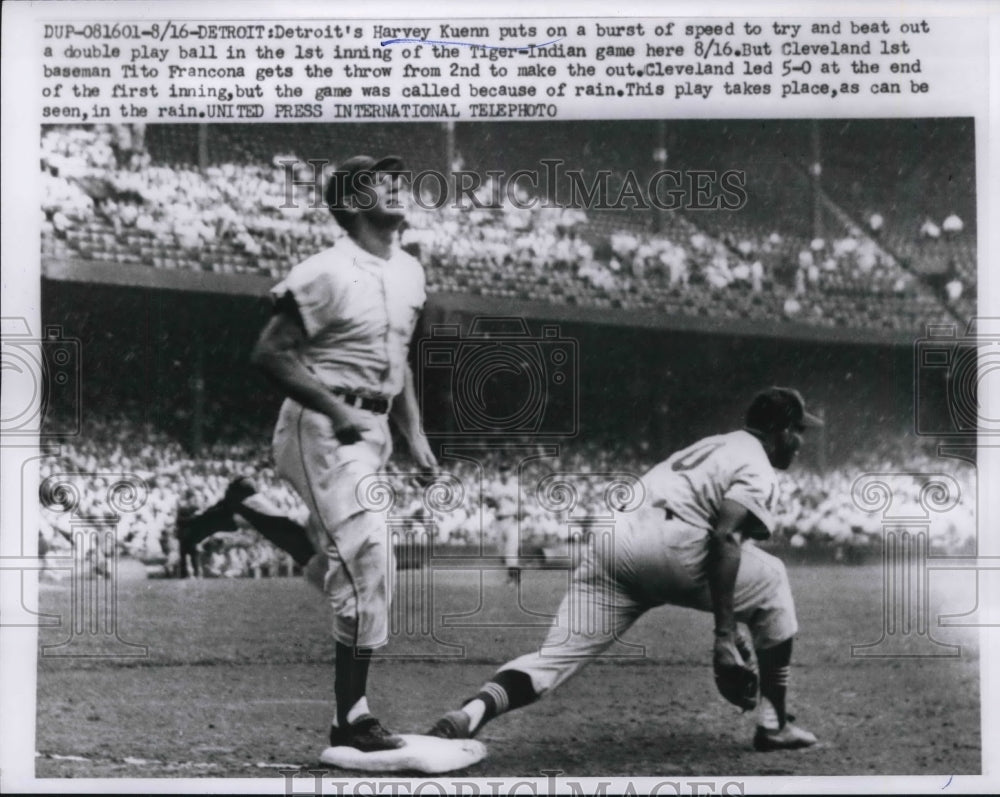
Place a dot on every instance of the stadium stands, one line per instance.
(896, 252)
(244, 216)
(816, 510)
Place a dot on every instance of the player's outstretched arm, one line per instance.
(406, 416)
(276, 354)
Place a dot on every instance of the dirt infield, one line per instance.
(237, 682)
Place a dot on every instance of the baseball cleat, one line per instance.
(453, 725)
(366, 735)
(789, 737)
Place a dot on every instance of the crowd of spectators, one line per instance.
(843, 509)
(228, 218)
(560, 498)
(105, 198)
(944, 253)
(263, 218)
(923, 212)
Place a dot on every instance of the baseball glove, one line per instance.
(735, 670)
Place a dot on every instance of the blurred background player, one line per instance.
(194, 527)
(506, 504)
(243, 500)
(688, 545)
(337, 346)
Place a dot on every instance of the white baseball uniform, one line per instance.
(359, 314)
(508, 515)
(658, 556)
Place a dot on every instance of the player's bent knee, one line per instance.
(774, 621)
(771, 615)
(547, 669)
(366, 627)
(773, 628)
(345, 630)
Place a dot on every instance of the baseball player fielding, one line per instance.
(690, 544)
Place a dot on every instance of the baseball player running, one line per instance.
(687, 545)
(337, 345)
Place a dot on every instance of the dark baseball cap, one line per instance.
(345, 182)
(779, 408)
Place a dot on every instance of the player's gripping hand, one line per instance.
(347, 435)
(347, 424)
(424, 457)
(735, 670)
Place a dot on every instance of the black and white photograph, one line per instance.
(402, 449)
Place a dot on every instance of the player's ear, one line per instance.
(791, 436)
(350, 205)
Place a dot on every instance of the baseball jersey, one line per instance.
(506, 498)
(692, 484)
(359, 312)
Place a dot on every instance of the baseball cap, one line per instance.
(344, 180)
(779, 408)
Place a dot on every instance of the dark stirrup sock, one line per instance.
(350, 678)
(774, 667)
(506, 691)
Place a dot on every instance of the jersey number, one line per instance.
(694, 456)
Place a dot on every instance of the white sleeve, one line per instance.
(754, 486)
(316, 295)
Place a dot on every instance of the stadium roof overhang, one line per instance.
(256, 286)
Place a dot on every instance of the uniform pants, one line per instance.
(345, 494)
(638, 568)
